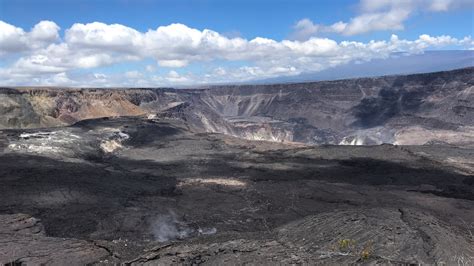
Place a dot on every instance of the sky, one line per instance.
(145, 43)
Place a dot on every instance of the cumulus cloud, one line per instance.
(14, 39)
(44, 32)
(43, 57)
(97, 36)
(377, 15)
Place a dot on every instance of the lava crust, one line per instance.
(166, 194)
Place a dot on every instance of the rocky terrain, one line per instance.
(231, 175)
(406, 110)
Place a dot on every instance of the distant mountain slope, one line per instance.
(397, 64)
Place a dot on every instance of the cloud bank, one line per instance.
(377, 15)
(41, 56)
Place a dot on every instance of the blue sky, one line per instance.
(270, 18)
(307, 36)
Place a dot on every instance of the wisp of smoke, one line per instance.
(168, 227)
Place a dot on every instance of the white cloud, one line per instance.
(173, 63)
(305, 28)
(175, 77)
(11, 38)
(45, 31)
(41, 54)
(219, 71)
(134, 74)
(96, 35)
(58, 79)
(377, 15)
(389, 20)
(440, 5)
(150, 68)
(14, 39)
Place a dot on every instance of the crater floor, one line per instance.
(152, 191)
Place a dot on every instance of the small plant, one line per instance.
(346, 244)
(366, 252)
(348, 247)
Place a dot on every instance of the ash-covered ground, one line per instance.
(153, 191)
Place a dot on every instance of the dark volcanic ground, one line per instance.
(150, 191)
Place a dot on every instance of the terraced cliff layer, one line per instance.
(412, 109)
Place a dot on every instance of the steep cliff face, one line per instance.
(40, 107)
(394, 109)
(69, 106)
(320, 104)
(367, 102)
(358, 111)
(16, 111)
